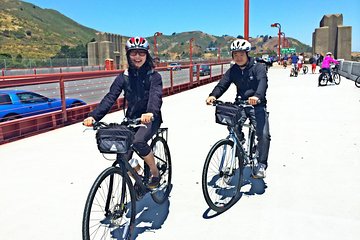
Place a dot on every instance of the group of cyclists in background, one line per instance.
(327, 65)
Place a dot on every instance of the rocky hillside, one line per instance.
(176, 46)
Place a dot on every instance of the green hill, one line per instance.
(34, 32)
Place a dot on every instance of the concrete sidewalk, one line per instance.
(312, 188)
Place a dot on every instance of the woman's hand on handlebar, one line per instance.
(88, 121)
(147, 118)
(253, 100)
(210, 100)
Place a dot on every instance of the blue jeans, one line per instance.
(262, 133)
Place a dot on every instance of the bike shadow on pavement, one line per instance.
(250, 186)
(150, 216)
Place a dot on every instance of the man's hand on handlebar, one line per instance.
(88, 121)
(147, 118)
(210, 100)
(253, 100)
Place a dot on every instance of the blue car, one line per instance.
(16, 104)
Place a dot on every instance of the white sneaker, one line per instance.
(260, 171)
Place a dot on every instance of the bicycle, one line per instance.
(110, 207)
(294, 70)
(223, 168)
(305, 69)
(357, 82)
(324, 77)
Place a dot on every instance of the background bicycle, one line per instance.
(357, 82)
(223, 168)
(110, 208)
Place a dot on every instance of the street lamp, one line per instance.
(190, 52)
(246, 19)
(155, 44)
(279, 34)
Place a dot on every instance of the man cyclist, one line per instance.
(142, 87)
(250, 80)
(294, 61)
(325, 66)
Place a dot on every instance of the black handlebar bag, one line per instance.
(114, 139)
(227, 114)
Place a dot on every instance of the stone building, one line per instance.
(333, 37)
(108, 46)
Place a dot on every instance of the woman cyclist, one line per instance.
(142, 87)
(251, 83)
(325, 66)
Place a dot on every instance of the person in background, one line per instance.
(325, 66)
(312, 61)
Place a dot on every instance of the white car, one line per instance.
(174, 66)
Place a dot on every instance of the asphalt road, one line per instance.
(311, 191)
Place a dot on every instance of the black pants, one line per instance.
(263, 134)
(143, 135)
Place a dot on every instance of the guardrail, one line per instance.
(350, 69)
(29, 126)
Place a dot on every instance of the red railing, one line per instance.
(60, 85)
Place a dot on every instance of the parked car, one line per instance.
(16, 104)
(204, 69)
(174, 66)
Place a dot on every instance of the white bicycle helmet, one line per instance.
(328, 53)
(240, 45)
(137, 43)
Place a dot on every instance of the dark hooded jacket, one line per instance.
(252, 81)
(142, 90)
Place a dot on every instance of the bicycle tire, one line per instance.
(357, 82)
(110, 207)
(218, 193)
(336, 78)
(163, 162)
(305, 69)
(323, 79)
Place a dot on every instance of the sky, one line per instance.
(298, 19)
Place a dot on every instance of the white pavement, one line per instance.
(312, 189)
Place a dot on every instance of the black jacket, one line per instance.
(142, 90)
(252, 81)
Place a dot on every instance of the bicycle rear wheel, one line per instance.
(110, 208)
(357, 82)
(323, 79)
(221, 178)
(305, 69)
(336, 78)
(163, 162)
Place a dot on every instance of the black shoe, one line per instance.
(154, 183)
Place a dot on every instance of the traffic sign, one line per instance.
(288, 50)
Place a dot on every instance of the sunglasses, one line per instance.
(133, 53)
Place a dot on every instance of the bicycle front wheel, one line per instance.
(163, 162)
(336, 78)
(110, 208)
(221, 176)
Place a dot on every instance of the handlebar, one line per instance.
(132, 123)
(239, 102)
